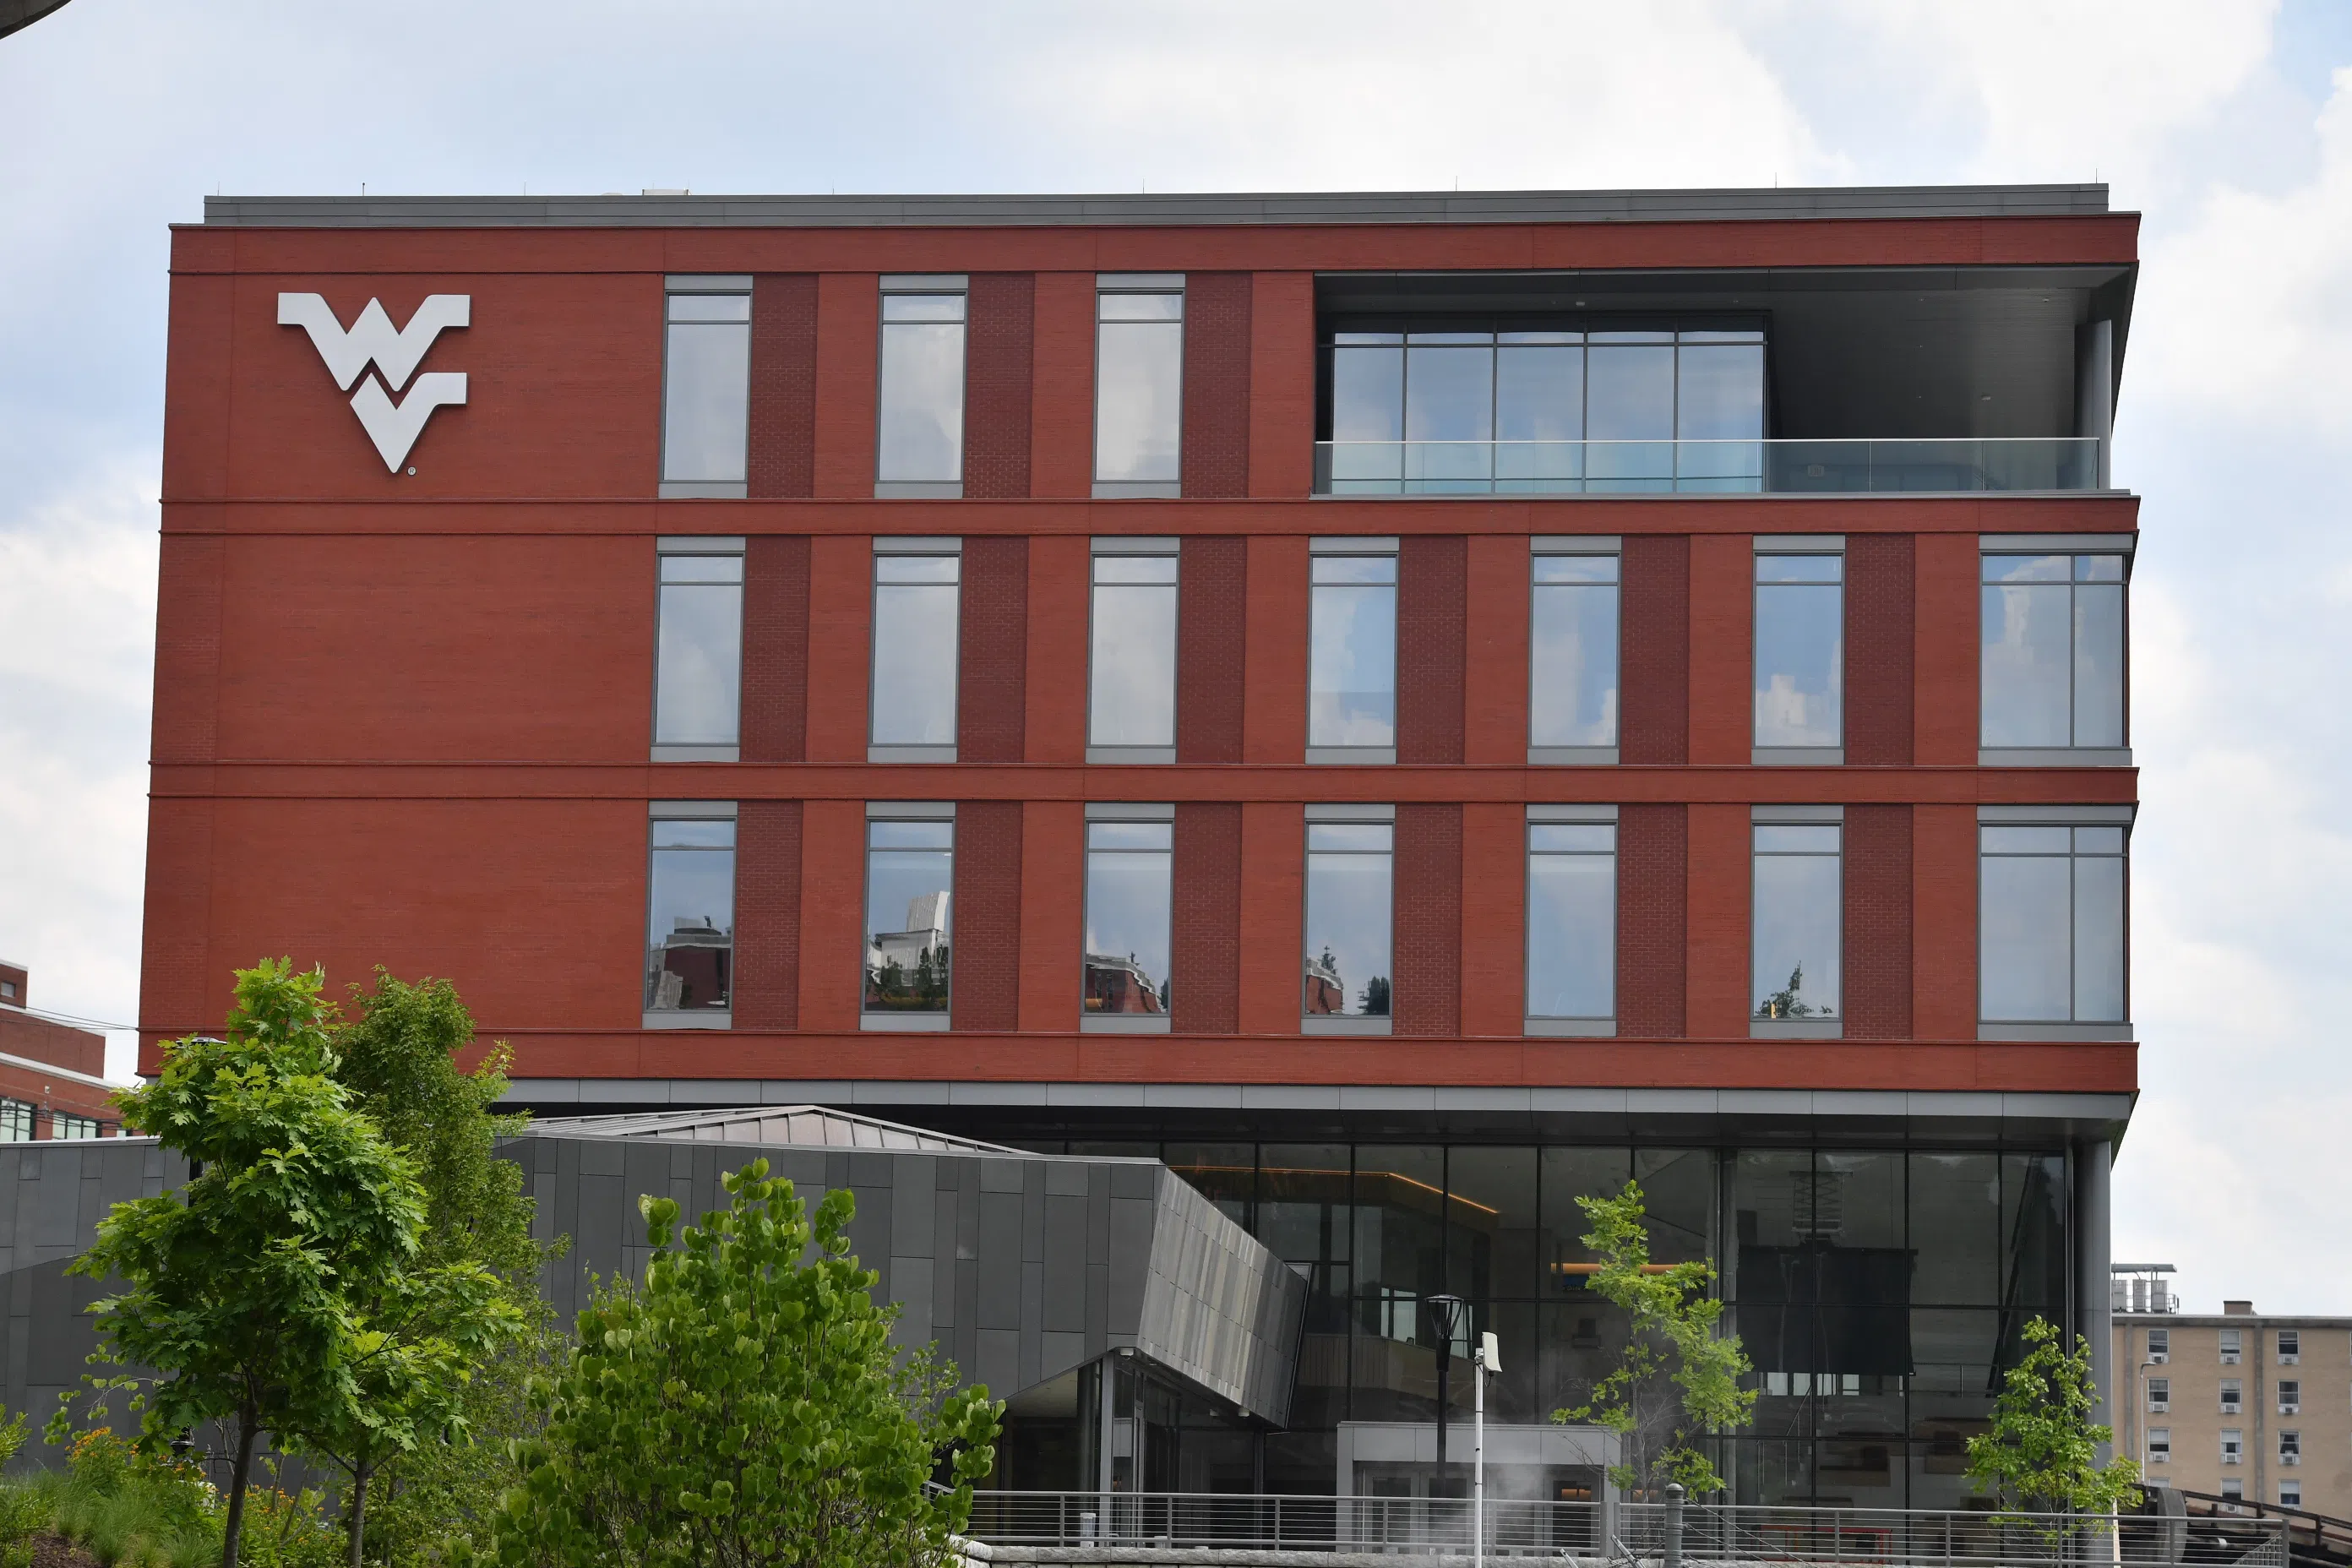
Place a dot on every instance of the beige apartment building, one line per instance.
(2245, 1404)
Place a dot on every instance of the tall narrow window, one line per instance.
(690, 914)
(1350, 850)
(1629, 410)
(909, 875)
(1571, 920)
(706, 384)
(1801, 649)
(1130, 872)
(15, 1121)
(1139, 383)
(1352, 665)
(918, 440)
(698, 651)
(1797, 922)
(2052, 906)
(1572, 650)
(1131, 667)
(917, 596)
(2053, 655)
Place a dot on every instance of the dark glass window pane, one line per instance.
(1491, 1236)
(1678, 1188)
(2033, 1203)
(1567, 1174)
(1955, 1229)
(1400, 1197)
(1224, 1174)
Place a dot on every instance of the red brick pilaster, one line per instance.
(999, 352)
(776, 649)
(768, 915)
(985, 917)
(992, 691)
(1216, 456)
(1426, 969)
(782, 436)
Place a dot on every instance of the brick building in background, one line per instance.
(1407, 708)
(52, 1075)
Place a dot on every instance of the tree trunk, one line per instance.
(247, 1429)
(356, 1512)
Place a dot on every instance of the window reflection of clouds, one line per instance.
(1138, 387)
(2052, 921)
(1573, 692)
(915, 608)
(1129, 878)
(1800, 650)
(2053, 650)
(1347, 909)
(920, 435)
(1133, 698)
(706, 388)
(1352, 676)
(1571, 920)
(699, 663)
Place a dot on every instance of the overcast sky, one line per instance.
(2228, 122)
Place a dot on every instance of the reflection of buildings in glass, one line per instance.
(1326, 993)
(1120, 985)
(692, 966)
(909, 968)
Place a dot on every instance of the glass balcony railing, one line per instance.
(1749, 468)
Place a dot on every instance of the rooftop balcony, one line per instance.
(1787, 467)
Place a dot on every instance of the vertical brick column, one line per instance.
(840, 647)
(1433, 574)
(1495, 667)
(1426, 969)
(1654, 673)
(1053, 913)
(1282, 383)
(1723, 649)
(1880, 639)
(1943, 893)
(848, 351)
(1216, 455)
(776, 649)
(999, 350)
(1274, 715)
(1878, 922)
(1652, 888)
(833, 913)
(986, 916)
(1060, 567)
(1062, 418)
(768, 915)
(1494, 919)
(1722, 894)
(1205, 936)
(1948, 594)
(1273, 915)
(1211, 647)
(781, 434)
(991, 689)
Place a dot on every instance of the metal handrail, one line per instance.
(1634, 1532)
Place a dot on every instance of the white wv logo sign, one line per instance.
(393, 426)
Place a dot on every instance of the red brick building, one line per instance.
(1551, 686)
(52, 1075)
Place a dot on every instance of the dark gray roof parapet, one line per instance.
(674, 211)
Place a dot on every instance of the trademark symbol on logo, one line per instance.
(394, 353)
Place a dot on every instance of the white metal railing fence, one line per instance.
(1635, 1530)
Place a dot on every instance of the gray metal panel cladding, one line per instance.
(1019, 1265)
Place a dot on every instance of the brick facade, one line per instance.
(1652, 945)
(1432, 606)
(768, 915)
(1205, 948)
(780, 434)
(1427, 986)
(1216, 456)
(1880, 634)
(986, 917)
(1878, 922)
(998, 350)
(1655, 631)
(993, 682)
(776, 649)
(1212, 648)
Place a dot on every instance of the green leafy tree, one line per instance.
(448, 1465)
(1678, 1379)
(744, 1408)
(1788, 1002)
(2042, 1452)
(245, 1287)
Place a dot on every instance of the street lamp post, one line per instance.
(1445, 1312)
(1487, 1364)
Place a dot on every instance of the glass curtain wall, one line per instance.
(1572, 652)
(706, 386)
(698, 651)
(1351, 662)
(1545, 410)
(2053, 651)
(690, 913)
